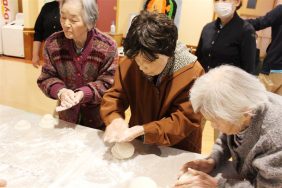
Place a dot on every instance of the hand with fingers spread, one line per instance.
(204, 165)
(197, 179)
(115, 129)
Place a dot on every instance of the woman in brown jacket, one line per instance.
(154, 80)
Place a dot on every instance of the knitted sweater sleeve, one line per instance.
(266, 165)
(94, 91)
(220, 151)
(49, 81)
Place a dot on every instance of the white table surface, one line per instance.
(75, 156)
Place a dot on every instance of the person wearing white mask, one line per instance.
(227, 40)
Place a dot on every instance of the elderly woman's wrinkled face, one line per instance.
(72, 21)
(151, 68)
(229, 128)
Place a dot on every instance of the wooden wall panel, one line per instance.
(107, 14)
(20, 6)
(28, 43)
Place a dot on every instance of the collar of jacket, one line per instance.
(234, 19)
(181, 59)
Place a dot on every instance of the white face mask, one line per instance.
(223, 9)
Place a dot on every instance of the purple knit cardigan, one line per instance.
(92, 72)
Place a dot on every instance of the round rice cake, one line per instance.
(123, 150)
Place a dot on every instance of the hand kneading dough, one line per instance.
(48, 121)
(184, 177)
(142, 182)
(122, 150)
(22, 125)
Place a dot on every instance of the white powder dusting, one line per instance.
(60, 158)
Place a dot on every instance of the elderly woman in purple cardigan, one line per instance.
(80, 62)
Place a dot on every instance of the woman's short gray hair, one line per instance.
(89, 11)
(227, 92)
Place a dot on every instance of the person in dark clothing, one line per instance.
(271, 73)
(47, 23)
(258, 61)
(227, 40)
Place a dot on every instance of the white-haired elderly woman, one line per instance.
(80, 62)
(250, 121)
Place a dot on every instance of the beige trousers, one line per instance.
(272, 82)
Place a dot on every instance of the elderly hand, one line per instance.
(204, 165)
(67, 98)
(198, 179)
(78, 96)
(114, 129)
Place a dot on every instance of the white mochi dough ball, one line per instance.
(184, 177)
(115, 153)
(142, 182)
(123, 150)
(48, 122)
(22, 125)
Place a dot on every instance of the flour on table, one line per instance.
(123, 150)
(141, 182)
(48, 121)
(22, 125)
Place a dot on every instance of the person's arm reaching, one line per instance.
(35, 53)
(271, 18)
(248, 50)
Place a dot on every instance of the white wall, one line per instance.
(30, 11)
(262, 7)
(194, 15)
(124, 9)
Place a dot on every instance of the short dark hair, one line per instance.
(151, 33)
